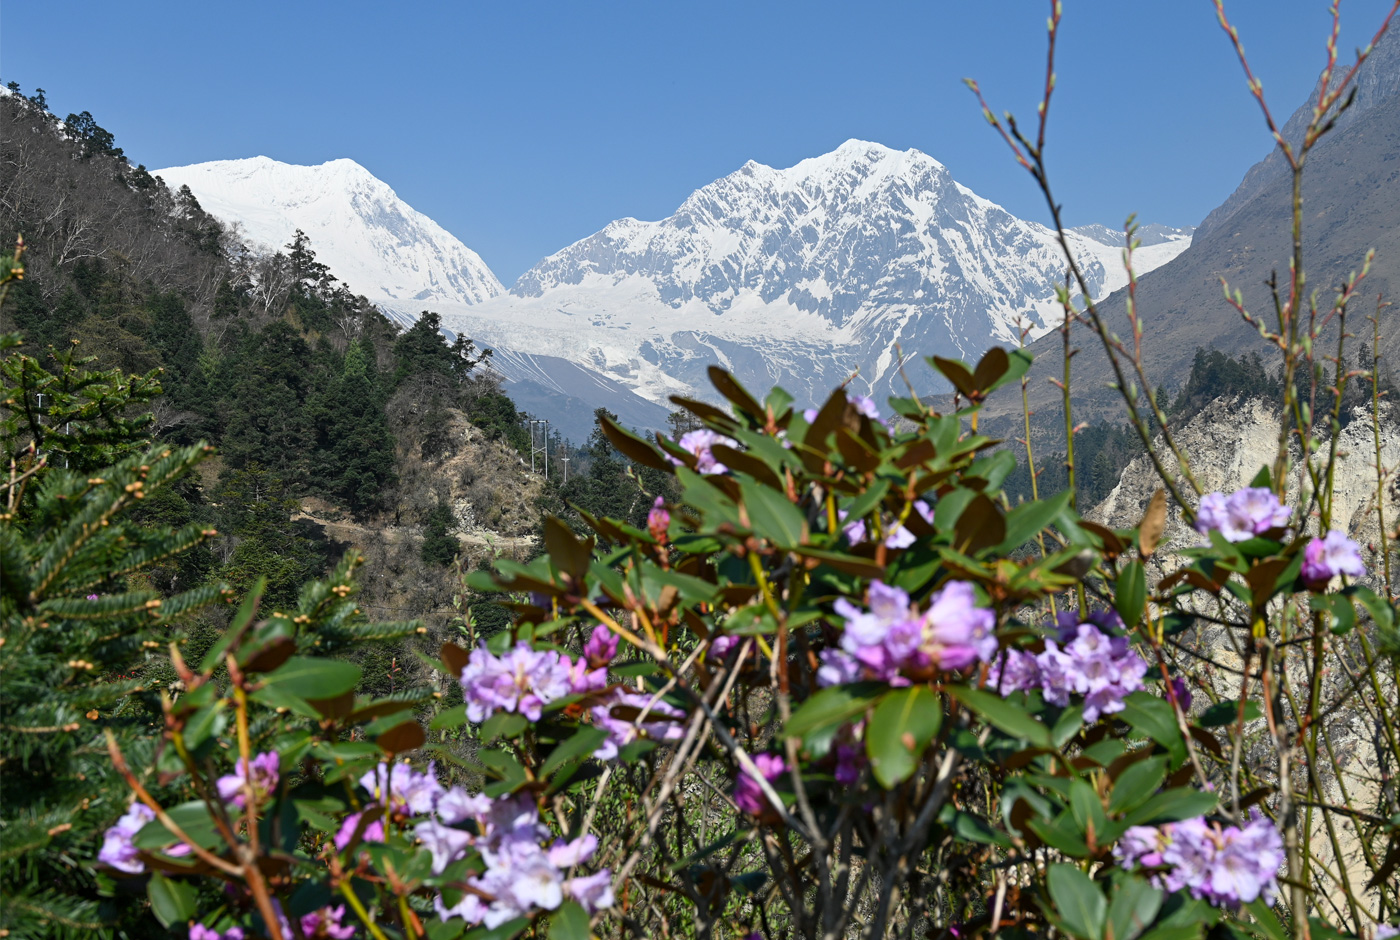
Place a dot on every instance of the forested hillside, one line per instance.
(291, 375)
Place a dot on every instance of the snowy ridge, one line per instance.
(800, 277)
(359, 228)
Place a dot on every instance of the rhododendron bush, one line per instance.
(842, 686)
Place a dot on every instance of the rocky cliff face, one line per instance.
(1229, 441)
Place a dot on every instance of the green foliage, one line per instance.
(80, 658)
(440, 547)
(69, 414)
(1215, 375)
(260, 541)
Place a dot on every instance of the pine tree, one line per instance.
(353, 460)
(79, 659)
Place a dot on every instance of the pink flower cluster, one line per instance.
(201, 932)
(1223, 865)
(891, 636)
(1243, 514)
(119, 849)
(326, 922)
(401, 791)
(864, 404)
(118, 843)
(521, 874)
(1333, 554)
(523, 680)
(748, 795)
(898, 537)
(1104, 669)
(699, 443)
(656, 721)
(262, 775)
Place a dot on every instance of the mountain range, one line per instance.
(799, 277)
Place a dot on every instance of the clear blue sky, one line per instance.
(524, 126)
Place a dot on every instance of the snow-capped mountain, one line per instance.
(369, 238)
(797, 277)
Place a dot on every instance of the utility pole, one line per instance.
(566, 467)
(543, 446)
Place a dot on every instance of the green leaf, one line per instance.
(192, 818)
(860, 507)
(1087, 808)
(1266, 920)
(569, 922)
(173, 902)
(1136, 784)
(1023, 522)
(503, 725)
(1130, 598)
(822, 715)
(506, 931)
(511, 776)
(1135, 903)
(1227, 712)
(1078, 901)
(772, 516)
(450, 718)
(1155, 718)
(1172, 806)
(1002, 713)
(581, 743)
(310, 678)
(1263, 478)
(235, 627)
(903, 724)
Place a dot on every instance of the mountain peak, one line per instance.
(369, 238)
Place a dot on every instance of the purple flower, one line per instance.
(1243, 514)
(456, 805)
(1327, 557)
(891, 634)
(957, 632)
(403, 790)
(850, 761)
(568, 854)
(326, 922)
(1183, 693)
(864, 404)
(374, 832)
(837, 668)
(118, 848)
(699, 443)
(1226, 866)
(523, 680)
(201, 932)
(445, 843)
(658, 520)
(898, 536)
(1104, 669)
(601, 648)
(662, 722)
(92, 597)
(594, 891)
(521, 874)
(262, 777)
(722, 646)
(583, 680)
(1386, 931)
(748, 796)
(1140, 845)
